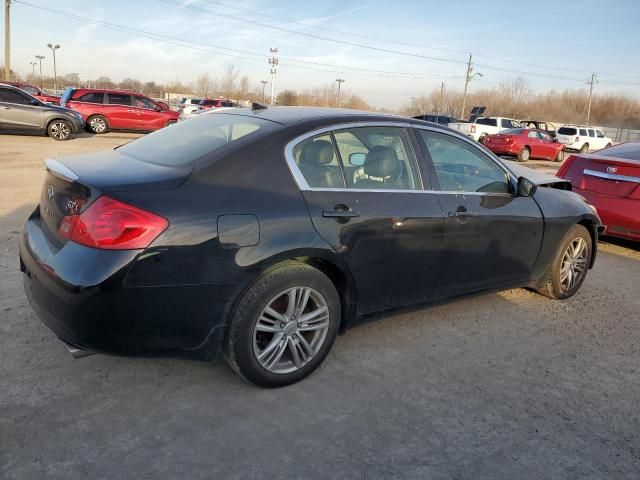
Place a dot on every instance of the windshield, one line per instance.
(185, 142)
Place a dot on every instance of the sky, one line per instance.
(386, 50)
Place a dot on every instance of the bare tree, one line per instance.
(229, 80)
(243, 90)
(203, 85)
(104, 82)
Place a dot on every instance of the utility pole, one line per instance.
(594, 76)
(340, 82)
(33, 68)
(55, 73)
(273, 61)
(40, 58)
(264, 85)
(7, 40)
(470, 75)
(441, 104)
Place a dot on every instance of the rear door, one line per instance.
(17, 112)
(120, 112)
(492, 237)
(365, 197)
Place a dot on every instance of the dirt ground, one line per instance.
(501, 386)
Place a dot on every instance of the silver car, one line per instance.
(21, 111)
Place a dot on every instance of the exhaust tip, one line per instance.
(78, 352)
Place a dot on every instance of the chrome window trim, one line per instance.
(611, 176)
(59, 170)
(304, 186)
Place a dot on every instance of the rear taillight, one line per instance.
(577, 139)
(113, 225)
(473, 129)
(508, 139)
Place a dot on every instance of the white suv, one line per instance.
(187, 106)
(582, 138)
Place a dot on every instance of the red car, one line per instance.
(526, 143)
(105, 110)
(609, 179)
(35, 92)
(217, 103)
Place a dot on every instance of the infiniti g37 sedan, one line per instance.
(260, 234)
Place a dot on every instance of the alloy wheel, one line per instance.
(98, 125)
(291, 330)
(60, 130)
(574, 264)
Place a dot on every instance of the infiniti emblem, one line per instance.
(612, 169)
(50, 191)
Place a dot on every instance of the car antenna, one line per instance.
(256, 106)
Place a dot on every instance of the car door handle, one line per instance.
(461, 214)
(340, 214)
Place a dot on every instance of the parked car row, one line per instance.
(190, 106)
(35, 92)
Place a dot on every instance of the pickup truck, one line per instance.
(484, 126)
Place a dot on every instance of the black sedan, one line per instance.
(261, 233)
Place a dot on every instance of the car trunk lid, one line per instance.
(73, 183)
(605, 175)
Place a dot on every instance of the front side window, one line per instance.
(317, 161)
(462, 167)
(532, 134)
(118, 99)
(31, 90)
(599, 134)
(11, 96)
(377, 158)
(141, 102)
(544, 136)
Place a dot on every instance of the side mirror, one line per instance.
(357, 159)
(526, 188)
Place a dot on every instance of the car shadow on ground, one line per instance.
(29, 133)
(621, 242)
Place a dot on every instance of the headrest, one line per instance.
(381, 161)
(318, 152)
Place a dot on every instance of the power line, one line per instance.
(359, 45)
(406, 44)
(290, 62)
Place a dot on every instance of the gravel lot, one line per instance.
(501, 386)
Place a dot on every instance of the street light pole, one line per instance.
(7, 40)
(55, 73)
(340, 82)
(33, 68)
(264, 85)
(40, 58)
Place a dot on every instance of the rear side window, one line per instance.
(93, 97)
(532, 134)
(492, 122)
(592, 133)
(11, 96)
(185, 142)
(31, 90)
(318, 163)
(567, 131)
(118, 99)
(583, 132)
(506, 123)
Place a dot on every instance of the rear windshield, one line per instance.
(567, 131)
(513, 131)
(185, 142)
(492, 122)
(627, 151)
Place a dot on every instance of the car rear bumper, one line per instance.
(616, 213)
(79, 293)
(506, 149)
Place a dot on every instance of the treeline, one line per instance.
(515, 99)
(323, 96)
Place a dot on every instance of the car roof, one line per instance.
(290, 115)
(109, 90)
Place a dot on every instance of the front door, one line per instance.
(149, 116)
(492, 236)
(366, 200)
(17, 111)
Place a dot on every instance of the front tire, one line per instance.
(97, 124)
(283, 326)
(524, 155)
(569, 269)
(559, 156)
(60, 130)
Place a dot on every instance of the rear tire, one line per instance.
(570, 265)
(283, 326)
(60, 130)
(482, 139)
(584, 148)
(524, 155)
(97, 124)
(170, 122)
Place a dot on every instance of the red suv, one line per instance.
(104, 110)
(35, 92)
